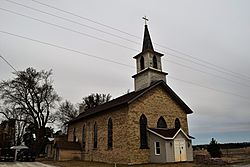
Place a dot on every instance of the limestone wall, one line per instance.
(119, 152)
(153, 104)
(126, 128)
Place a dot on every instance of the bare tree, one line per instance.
(21, 120)
(65, 112)
(93, 100)
(31, 94)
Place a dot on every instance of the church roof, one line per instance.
(168, 134)
(126, 99)
(115, 103)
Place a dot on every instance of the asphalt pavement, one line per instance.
(24, 164)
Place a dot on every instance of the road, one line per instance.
(24, 164)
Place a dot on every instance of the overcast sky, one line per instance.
(206, 47)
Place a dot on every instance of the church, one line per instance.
(148, 125)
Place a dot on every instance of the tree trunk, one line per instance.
(40, 143)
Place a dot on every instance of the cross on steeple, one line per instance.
(146, 19)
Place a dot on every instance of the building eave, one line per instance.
(149, 69)
(175, 97)
(150, 51)
(170, 138)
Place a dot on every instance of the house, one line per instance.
(7, 133)
(59, 148)
(147, 125)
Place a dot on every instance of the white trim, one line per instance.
(157, 147)
(169, 138)
(183, 133)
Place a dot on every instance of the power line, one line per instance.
(102, 39)
(110, 42)
(203, 65)
(85, 18)
(174, 50)
(112, 61)
(7, 63)
(117, 44)
(211, 74)
(209, 67)
(206, 62)
(216, 90)
(64, 48)
(68, 29)
(72, 21)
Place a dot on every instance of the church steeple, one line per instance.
(147, 43)
(148, 64)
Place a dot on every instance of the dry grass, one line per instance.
(98, 164)
(232, 156)
(247, 150)
(240, 155)
(79, 164)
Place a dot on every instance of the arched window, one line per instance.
(83, 137)
(143, 132)
(95, 135)
(177, 123)
(110, 133)
(154, 62)
(142, 63)
(161, 123)
(74, 135)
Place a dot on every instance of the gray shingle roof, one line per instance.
(126, 99)
(168, 133)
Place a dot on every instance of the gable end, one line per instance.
(169, 91)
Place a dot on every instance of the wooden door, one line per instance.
(180, 150)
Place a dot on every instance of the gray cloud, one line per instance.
(214, 31)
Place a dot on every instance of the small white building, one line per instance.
(169, 145)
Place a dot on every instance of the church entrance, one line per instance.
(180, 150)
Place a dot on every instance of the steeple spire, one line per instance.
(147, 43)
(148, 63)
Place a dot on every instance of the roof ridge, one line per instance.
(108, 101)
(130, 97)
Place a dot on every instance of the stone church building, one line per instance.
(147, 125)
